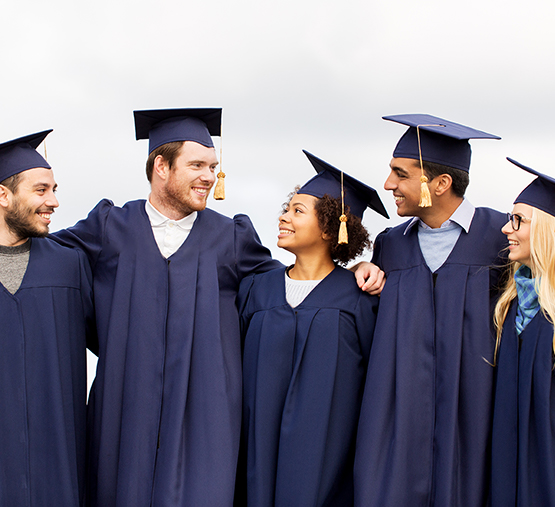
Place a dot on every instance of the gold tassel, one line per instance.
(425, 197)
(343, 238)
(219, 191)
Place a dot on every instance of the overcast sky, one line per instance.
(289, 75)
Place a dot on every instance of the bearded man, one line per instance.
(46, 304)
(166, 401)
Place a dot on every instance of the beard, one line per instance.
(19, 220)
(179, 200)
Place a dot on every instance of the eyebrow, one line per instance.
(43, 184)
(201, 162)
(298, 204)
(399, 170)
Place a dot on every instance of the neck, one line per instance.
(312, 267)
(440, 212)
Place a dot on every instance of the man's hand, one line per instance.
(370, 278)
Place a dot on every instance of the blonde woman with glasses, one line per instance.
(523, 455)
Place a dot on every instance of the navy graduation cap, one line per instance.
(162, 126)
(441, 141)
(20, 154)
(540, 193)
(357, 195)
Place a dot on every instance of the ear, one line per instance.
(443, 184)
(326, 236)
(5, 196)
(161, 168)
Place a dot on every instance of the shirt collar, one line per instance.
(157, 219)
(462, 216)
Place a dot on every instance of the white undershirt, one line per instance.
(297, 290)
(169, 234)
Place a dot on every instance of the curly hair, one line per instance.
(328, 211)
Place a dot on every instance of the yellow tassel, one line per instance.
(219, 191)
(343, 238)
(425, 197)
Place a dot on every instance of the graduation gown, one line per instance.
(166, 400)
(425, 425)
(523, 454)
(43, 380)
(303, 376)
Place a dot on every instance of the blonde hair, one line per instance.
(542, 264)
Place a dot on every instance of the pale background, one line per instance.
(290, 75)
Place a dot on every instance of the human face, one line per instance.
(190, 179)
(519, 241)
(299, 231)
(404, 182)
(30, 209)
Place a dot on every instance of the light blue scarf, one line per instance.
(528, 304)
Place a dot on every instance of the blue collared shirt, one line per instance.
(437, 244)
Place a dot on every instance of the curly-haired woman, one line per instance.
(307, 333)
(523, 457)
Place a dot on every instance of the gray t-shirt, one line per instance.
(13, 264)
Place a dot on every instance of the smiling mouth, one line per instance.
(398, 199)
(202, 191)
(285, 232)
(46, 215)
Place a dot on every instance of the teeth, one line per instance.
(45, 215)
(514, 243)
(398, 199)
(285, 231)
(202, 191)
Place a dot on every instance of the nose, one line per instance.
(52, 201)
(507, 228)
(390, 183)
(284, 218)
(208, 175)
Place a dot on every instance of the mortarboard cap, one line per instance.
(162, 126)
(20, 154)
(358, 196)
(540, 193)
(441, 141)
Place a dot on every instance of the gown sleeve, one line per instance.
(87, 234)
(251, 255)
(88, 305)
(365, 315)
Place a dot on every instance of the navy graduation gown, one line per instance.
(166, 401)
(425, 425)
(43, 379)
(523, 454)
(303, 376)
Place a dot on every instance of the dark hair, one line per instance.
(169, 151)
(328, 211)
(12, 182)
(459, 177)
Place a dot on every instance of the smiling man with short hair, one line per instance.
(166, 401)
(425, 426)
(45, 303)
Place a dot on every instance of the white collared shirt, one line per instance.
(169, 234)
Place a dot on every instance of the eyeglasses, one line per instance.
(516, 220)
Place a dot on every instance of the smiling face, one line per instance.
(190, 179)
(404, 182)
(519, 241)
(30, 208)
(299, 231)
